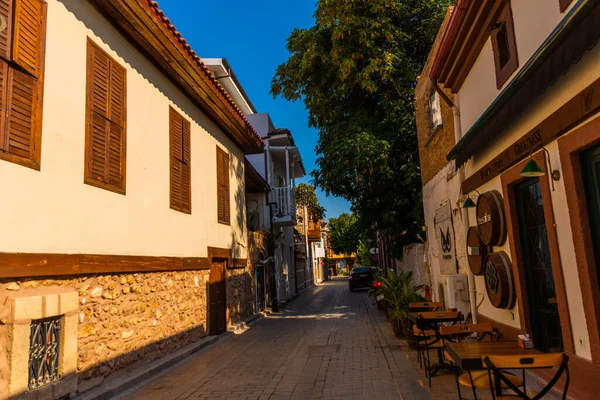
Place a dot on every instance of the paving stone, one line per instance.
(328, 344)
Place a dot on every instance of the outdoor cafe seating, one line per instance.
(471, 379)
(479, 362)
(426, 330)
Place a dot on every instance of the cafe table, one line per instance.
(432, 320)
(468, 355)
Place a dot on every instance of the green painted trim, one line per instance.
(566, 26)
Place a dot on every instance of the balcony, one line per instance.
(284, 209)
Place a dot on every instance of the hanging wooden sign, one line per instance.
(491, 220)
(477, 251)
(499, 282)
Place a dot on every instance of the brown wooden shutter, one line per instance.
(28, 35)
(20, 121)
(6, 22)
(22, 40)
(97, 154)
(106, 129)
(223, 186)
(186, 170)
(3, 102)
(179, 145)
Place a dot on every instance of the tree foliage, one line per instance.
(344, 234)
(306, 196)
(355, 70)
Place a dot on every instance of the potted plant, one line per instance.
(399, 292)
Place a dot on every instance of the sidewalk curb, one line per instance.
(118, 386)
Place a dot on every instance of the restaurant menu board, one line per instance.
(444, 233)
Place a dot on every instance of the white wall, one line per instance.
(443, 188)
(534, 21)
(54, 211)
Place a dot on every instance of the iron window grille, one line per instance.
(44, 350)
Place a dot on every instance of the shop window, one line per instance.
(504, 46)
(590, 160)
(435, 111)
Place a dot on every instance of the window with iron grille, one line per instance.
(44, 350)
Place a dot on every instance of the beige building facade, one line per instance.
(126, 235)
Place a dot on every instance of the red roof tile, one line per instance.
(205, 71)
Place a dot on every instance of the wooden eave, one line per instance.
(146, 27)
(469, 41)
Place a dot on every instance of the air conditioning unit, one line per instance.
(454, 290)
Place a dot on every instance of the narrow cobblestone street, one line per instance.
(329, 343)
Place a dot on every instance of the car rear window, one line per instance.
(359, 270)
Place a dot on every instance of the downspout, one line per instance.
(465, 212)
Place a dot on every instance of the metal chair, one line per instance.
(435, 341)
(498, 364)
(471, 379)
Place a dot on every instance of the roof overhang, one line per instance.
(146, 27)
(222, 71)
(255, 183)
(578, 32)
(464, 38)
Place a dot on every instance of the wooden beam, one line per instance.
(31, 265)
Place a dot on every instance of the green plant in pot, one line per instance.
(399, 292)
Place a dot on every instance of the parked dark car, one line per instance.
(361, 277)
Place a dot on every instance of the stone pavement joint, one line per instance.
(327, 344)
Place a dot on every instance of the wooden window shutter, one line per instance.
(6, 21)
(223, 186)
(22, 43)
(20, 119)
(179, 145)
(29, 28)
(106, 121)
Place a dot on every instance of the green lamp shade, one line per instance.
(469, 203)
(532, 169)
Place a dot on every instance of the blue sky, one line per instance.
(252, 35)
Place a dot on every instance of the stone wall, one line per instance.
(433, 145)
(125, 320)
(240, 294)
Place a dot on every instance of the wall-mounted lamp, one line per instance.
(469, 202)
(532, 169)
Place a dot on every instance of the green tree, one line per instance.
(344, 233)
(363, 254)
(355, 70)
(306, 196)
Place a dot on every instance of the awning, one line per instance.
(255, 183)
(578, 32)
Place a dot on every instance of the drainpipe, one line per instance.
(465, 212)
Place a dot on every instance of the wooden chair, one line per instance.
(430, 338)
(472, 379)
(425, 306)
(422, 335)
(419, 333)
(498, 364)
